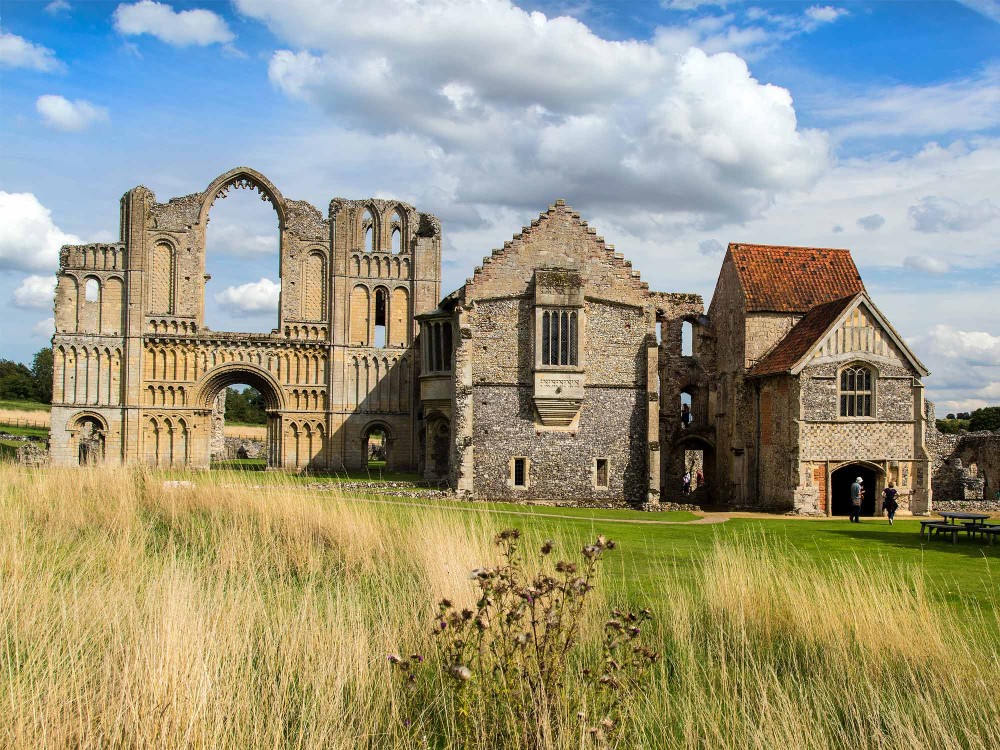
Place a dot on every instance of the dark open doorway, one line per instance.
(840, 486)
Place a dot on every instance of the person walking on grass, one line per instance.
(857, 495)
(889, 503)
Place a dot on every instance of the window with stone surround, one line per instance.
(560, 338)
(519, 471)
(601, 472)
(857, 391)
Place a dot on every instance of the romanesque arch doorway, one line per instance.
(376, 442)
(840, 488)
(264, 446)
(694, 459)
(90, 432)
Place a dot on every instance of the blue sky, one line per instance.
(674, 127)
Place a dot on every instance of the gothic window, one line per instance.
(560, 338)
(857, 391)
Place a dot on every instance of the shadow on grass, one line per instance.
(964, 545)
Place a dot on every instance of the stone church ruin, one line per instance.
(554, 373)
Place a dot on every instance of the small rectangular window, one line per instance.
(602, 473)
(520, 472)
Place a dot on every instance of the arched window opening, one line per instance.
(92, 291)
(380, 318)
(659, 332)
(857, 390)
(687, 339)
(369, 243)
(687, 416)
(242, 263)
(396, 224)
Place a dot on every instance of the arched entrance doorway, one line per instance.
(377, 446)
(692, 455)
(90, 432)
(211, 394)
(840, 488)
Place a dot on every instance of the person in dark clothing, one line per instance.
(857, 497)
(889, 503)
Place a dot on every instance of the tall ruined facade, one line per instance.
(137, 373)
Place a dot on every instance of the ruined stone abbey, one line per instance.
(554, 373)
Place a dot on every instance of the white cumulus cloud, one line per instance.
(935, 213)
(18, 52)
(59, 113)
(517, 107)
(36, 292)
(197, 27)
(926, 264)
(976, 348)
(233, 239)
(57, 7)
(253, 298)
(871, 222)
(711, 247)
(44, 328)
(29, 239)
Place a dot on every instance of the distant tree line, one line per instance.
(986, 418)
(22, 383)
(246, 407)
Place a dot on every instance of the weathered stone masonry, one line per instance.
(554, 373)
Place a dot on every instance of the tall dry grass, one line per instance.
(134, 615)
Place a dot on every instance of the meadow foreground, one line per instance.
(224, 615)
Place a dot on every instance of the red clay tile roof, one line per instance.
(793, 279)
(804, 336)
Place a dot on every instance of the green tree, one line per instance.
(41, 373)
(16, 383)
(987, 418)
(246, 407)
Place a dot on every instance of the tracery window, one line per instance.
(857, 391)
(560, 338)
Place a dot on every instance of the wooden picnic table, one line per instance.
(951, 516)
(972, 523)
